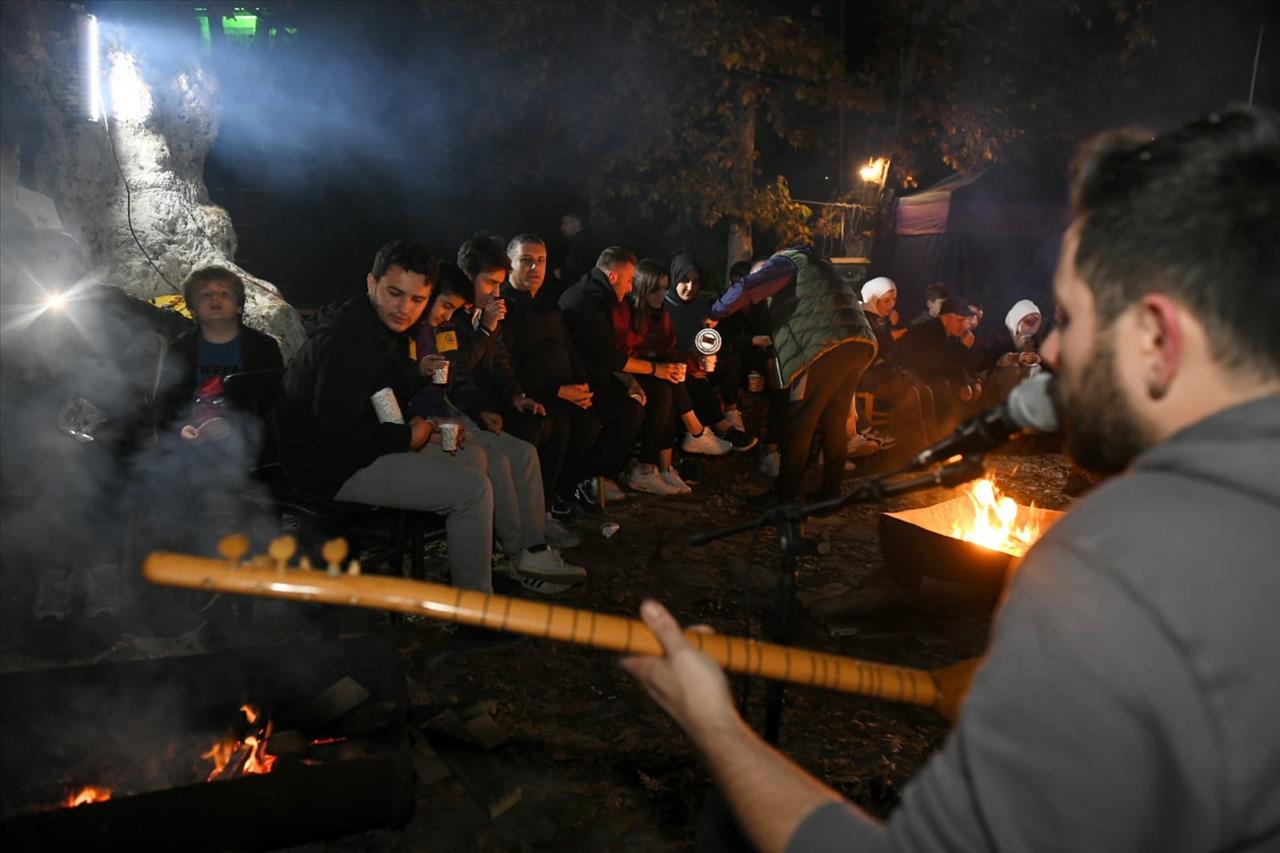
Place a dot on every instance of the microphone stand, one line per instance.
(791, 544)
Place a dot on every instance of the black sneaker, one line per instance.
(740, 440)
(562, 509)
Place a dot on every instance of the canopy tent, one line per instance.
(990, 235)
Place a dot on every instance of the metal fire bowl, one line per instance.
(919, 549)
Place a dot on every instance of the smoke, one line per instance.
(90, 483)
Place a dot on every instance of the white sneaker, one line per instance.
(612, 492)
(886, 442)
(673, 479)
(559, 536)
(549, 565)
(734, 417)
(771, 464)
(860, 446)
(589, 491)
(651, 482)
(708, 443)
(540, 586)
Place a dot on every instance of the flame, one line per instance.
(249, 753)
(995, 521)
(87, 794)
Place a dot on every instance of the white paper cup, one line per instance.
(755, 382)
(449, 437)
(441, 375)
(387, 407)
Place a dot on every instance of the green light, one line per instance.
(240, 27)
(206, 37)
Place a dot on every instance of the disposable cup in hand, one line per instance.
(449, 437)
(440, 376)
(755, 382)
(387, 408)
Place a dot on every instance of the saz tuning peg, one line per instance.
(234, 547)
(334, 552)
(281, 549)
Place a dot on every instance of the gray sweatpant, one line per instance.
(515, 474)
(430, 480)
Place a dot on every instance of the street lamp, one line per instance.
(876, 170)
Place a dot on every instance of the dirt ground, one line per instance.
(596, 764)
(588, 762)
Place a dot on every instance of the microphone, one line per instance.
(1029, 409)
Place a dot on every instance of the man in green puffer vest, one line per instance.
(823, 344)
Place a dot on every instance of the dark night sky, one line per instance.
(351, 134)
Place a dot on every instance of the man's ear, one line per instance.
(1161, 339)
(371, 283)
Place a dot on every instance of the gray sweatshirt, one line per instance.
(1131, 697)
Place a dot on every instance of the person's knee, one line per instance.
(473, 489)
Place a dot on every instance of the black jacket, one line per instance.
(588, 314)
(483, 380)
(538, 344)
(927, 351)
(178, 372)
(326, 422)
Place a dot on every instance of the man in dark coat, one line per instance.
(588, 309)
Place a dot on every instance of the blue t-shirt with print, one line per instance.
(217, 359)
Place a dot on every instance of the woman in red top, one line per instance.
(644, 330)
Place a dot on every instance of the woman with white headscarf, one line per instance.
(893, 386)
(1018, 357)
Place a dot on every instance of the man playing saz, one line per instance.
(1130, 696)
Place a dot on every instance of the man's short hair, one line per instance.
(483, 253)
(740, 269)
(409, 256)
(1194, 214)
(613, 256)
(451, 280)
(192, 284)
(937, 290)
(520, 239)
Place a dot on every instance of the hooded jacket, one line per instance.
(326, 422)
(1129, 698)
(811, 309)
(687, 317)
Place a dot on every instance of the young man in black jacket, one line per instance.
(546, 366)
(484, 388)
(341, 423)
(588, 314)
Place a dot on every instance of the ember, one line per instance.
(87, 794)
(994, 523)
(235, 756)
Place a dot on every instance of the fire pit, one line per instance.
(972, 541)
(249, 750)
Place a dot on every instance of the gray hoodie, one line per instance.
(1131, 697)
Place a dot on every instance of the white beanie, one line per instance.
(1021, 309)
(874, 289)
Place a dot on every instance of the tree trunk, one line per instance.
(744, 175)
(739, 248)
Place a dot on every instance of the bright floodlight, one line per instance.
(875, 170)
(90, 68)
(55, 301)
(130, 97)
